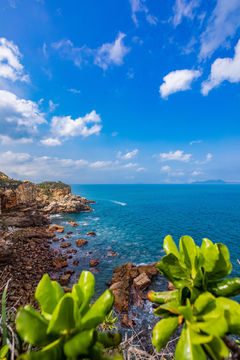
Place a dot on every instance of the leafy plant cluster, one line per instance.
(67, 325)
(200, 302)
(51, 185)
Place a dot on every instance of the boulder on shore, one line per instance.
(94, 263)
(80, 242)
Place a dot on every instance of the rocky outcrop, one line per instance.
(66, 204)
(128, 282)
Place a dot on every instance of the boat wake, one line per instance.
(118, 202)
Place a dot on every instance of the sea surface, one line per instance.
(136, 230)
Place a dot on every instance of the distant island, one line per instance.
(214, 182)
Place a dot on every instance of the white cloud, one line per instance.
(179, 80)
(10, 66)
(165, 168)
(52, 106)
(99, 164)
(196, 173)
(180, 173)
(208, 158)
(223, 23)
(130, 74)
(6, 140)
(223, 69)
(141, 169)
(184, 8)
(45, 50)
(119, 154)
(130, 165)
(23, 112)
(130, 155)
(195, 142)
(48, 73)
(9, 157)
(176, 155)
(67, 49)
(114, 133)
(66, 126)
(51, 142)
(111, 53)
(75, 91)
(138, 6)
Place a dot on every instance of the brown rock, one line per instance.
(81, 242)
(71, 251)
(91, 233)
(67, 237)
(73, 223)
(96, 270)
(171, 286)
(69, 232)
(78, 275)
(53, 278)
(55, 239)
(67, 244)
(27, 286)
(112, 253)
(135, 297)
(127, 322)
(94, 263)
(121, 301)
(66, 289)
(60, 230)
(149, 270)
(60, 262)
(76, 262)
(64, 279)
(142, 281)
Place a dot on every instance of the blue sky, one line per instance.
(121, 91)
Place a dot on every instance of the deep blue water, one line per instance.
(136, 231)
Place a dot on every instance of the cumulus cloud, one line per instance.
(75, 91)
(50, 142)
(165, 168)
(111, 53)
(179, 80)
(184, 8)
(6, 140)
(130, 165)
(64, 126)
(223, 69)
(195, 142)
(10, 66)
(175, 155)
(23, 112)
(208, 158)
(141, 169)
(100, 164)
(196, 173)
(223, 23)
(138, 6)
(130, 155)
(52, 106)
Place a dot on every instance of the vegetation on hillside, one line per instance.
(48, 186)
(8, 183)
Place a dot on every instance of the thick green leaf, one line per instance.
(227, 288)
(223, 266)
(65, 318)
(186, 349)
(109, 338)
(46, 296)
(4, 351)
(59, 290)
(163, 330)
(212, 320)
(87, 284)
(32, 327)
(232, 314)
(202, 302)
(216, 349)
(78, 294)
(167, 274)
(186, 311)
(80, 344)
(210, 253)
(199, 339)
(163, 297)
(97, 313)
(170, 246)
(188, 292)
(189, 254)
(51, 352)
(172, 307)
(172, 263)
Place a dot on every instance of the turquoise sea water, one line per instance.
(136, 231)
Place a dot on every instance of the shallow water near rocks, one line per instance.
(136, 231)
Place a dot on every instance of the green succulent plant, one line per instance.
(200, 302)
(3, 352)
(66, 327)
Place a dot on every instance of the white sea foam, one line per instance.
(55, 216)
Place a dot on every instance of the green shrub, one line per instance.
(66, 328)
(200, 302)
